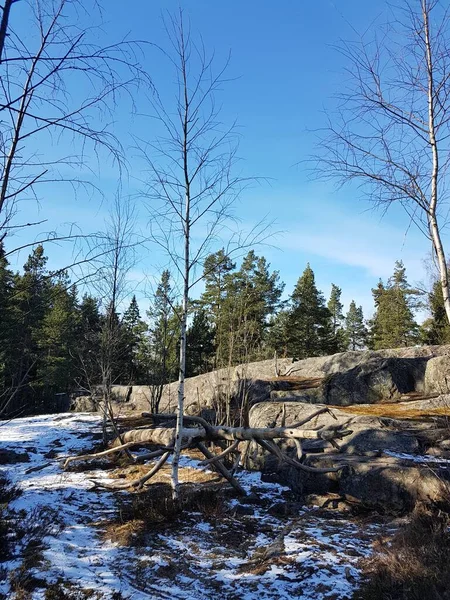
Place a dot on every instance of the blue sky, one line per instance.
(285, 72)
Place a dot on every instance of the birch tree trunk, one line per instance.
(432, 218)
(182, 370)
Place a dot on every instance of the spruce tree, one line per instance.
(57, 339)
(200, 341)
(310, 332)
(8, 330)
(436, 330)
(31, 304)
(88, 345)
(335, 306)
(133, 341)
(393, 324)
(111, 367)
(355, 328)
(6, 290)
(164, 333)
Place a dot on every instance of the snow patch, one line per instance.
(255, 556)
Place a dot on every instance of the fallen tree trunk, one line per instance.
(165, 435)
(202, 432)
(160, 436)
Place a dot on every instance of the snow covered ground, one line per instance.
(247, 551)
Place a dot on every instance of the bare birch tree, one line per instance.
(57, 89)
(192, 184)
(118, 256)
(391, 133)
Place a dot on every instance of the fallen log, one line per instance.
(164, 417)
(165, 435)
(200, 432)
(220, 456)
(159, 436)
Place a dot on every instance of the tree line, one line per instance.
(52, 340)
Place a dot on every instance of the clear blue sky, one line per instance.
(285, 72)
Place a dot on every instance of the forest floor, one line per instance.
(63, 537)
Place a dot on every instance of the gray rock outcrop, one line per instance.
(84, 404)
(376, 380)
(382, 460)
(369, 434)
(437, 375)
(342, 379)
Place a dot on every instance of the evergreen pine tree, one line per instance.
(393, 324)
(436, 330)
(355, 328)
(200, 341)
(88, 344)
(253, 296)
(112, 370)
(279, 333)
(217, 303)
(31, 304)
(133, 341)
(375, 332)
(310, 332)
(7, 330)
(57, 339)
(335, 306)
(164, 333)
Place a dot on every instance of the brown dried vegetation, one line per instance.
(394, 410)
(413, 564)
(151, 510)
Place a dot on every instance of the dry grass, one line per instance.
(414, 564)
(187, 475)
(398, 410)
(144, 513)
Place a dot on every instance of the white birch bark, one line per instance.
(432, 217)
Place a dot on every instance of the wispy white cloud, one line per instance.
(356, 240)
